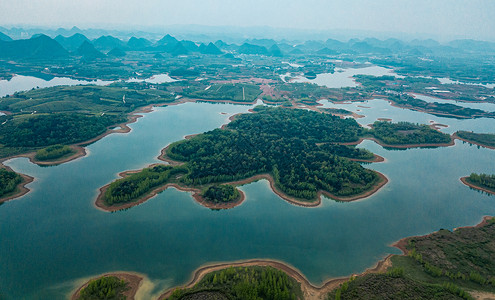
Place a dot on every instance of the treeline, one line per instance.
(104, 288)
(464, 255)
(116, 98)
(485, 139)
(223, 193)
(405, 133)
(8, 181)
(441, 109)
(244, 283)
(53, 152)
(482, 180)
(45, 130)
(236, 92)
(135, 185)
(285, 143)
(393, 285)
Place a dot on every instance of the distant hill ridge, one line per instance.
(38, 47)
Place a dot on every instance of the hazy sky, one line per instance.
(447, 18)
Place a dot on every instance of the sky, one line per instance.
(443, 19)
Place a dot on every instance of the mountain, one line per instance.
(40, 47)
(267, 43)
(168, 39)
(190, 46)
(4, 37)
(220, 44)
(179, 49)
(138, 43)
(210, 49)
(73, 42)
(116, 52)
(275, 51)
(88, 51)
(297, 51)
(326, 51)
(253, 49)
(107, 42)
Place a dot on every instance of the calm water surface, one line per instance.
(53, 237)
(24, 83)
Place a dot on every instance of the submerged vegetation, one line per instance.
(243, 283)
(8, 181)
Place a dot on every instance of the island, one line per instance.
(408, 135)
(482, 182)
(109, 286)
(253, 282)
(296, 150)
(12, 184)
(222, 193)
(486, 140)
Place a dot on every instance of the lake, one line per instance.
(25, 83)
(54, 237)
(342, 77)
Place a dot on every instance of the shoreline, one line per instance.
(196, 194)
(134, 281)
(479, 188)
(402, 146)
(100, 204)
(455, 136)
(20, 189)
(309, 290)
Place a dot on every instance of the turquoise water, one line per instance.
(54, 236)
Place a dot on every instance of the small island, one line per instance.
(408, 135)
(113, 286)
(12, 185)
(297, 150)
(486, 140)
(482, 182)
(223, 193)
(253, 282)
(53, 152)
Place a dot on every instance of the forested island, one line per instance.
(53, 152)
(113, 286)
(296, 148)
(483, 182)
(242, 283)
(223, 193)
(482, 139)
(8, 182)
(406, 133)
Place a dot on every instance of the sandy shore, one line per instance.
(405, 146)
(100, 204)
(464, 180)
(133, 280)
(21, 188)
(196, 193)
(309, 290)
